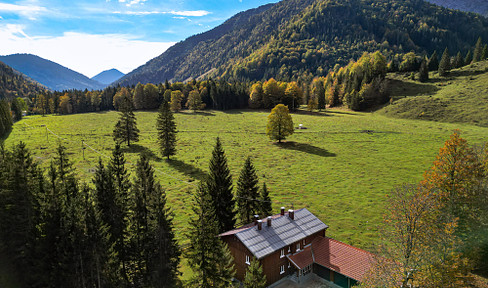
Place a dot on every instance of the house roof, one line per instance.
(283, 232)
(342, 258)
(302, 259)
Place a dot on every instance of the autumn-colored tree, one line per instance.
(312, 104)
(41, 104)
(121, 97)
(271, 93)
(138, 97)
(293, 94)
(65, 106)
(176, 97)
(280, 123)
(194, 101)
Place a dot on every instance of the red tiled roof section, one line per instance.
(302, 259)
(340, 257)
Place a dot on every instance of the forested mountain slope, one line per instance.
(301, 39)
(13, 84)
(476, 6)
(50, 74)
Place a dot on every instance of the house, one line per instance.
(293, 244)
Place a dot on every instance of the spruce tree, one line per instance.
(166, 127)
(458, 60)
(247, 193)
(478, 51)
(121, 185)
(469, 58)
(255, 278)
(219, 186)
(424, 71)
(484, 54)
(433, 61)
(126, 128)
(266, 204)
(445, 64)
(208, 256)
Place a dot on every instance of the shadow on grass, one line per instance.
(339, 112)
(139, 149)
(314, 113)
(307, 148)
(404, 88)
(187, 169)
(200, 113)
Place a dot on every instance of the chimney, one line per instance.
(291, 213)
(282, 211)
(260, 224)
(256, 218)
(269, 221)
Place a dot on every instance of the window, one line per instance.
(304, 242)
(248, 260)
(282, 253)
(282, 269)
(289, 249)
(298, 247)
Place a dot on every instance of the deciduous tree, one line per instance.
(280, 123)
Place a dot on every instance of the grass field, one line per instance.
(460, 97)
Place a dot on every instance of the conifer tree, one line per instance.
(266, 204)
(126, 128)
(433, 61)
(478, 51)
(208, 256)
(424, 71)
(445, 64)
(247, 193)
(469, 58)
(121, 185)
(166, 127)
(255, 278)
(484, 54)
(458, 60)
(219, 186)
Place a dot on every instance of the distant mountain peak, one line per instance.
(476, 6)
(108, 76)
(50, 74)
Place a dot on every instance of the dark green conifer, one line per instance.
(219, 186)
(247, 193)
(458, 60)
(266, 204)
(424, 71)
(478, 51)
(445, 64)
(469, 58)
(125, 129)
(484, 55)
(208, 256)
(433, 61)
(166, 127)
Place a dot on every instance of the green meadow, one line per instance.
(340, 167)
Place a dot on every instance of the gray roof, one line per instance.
(283, 232)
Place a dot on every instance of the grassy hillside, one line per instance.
(460, 97)
(340, 167)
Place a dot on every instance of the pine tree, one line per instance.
(478, 51)
(458, 60)
(266, 204)
(424, 71)
(126, 128)
(433, 61)
(166, 127)
(247, 193)
(255, 278)
(208, 256)
(445, 64)
(484, 55)
(219, 185)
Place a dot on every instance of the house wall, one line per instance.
(239, 252)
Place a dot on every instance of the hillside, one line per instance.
(476, 6)
(50, 74)
(301, 39)
(13, 84)
(108, 76)
(460, 98)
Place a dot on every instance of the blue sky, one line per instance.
(90, 36)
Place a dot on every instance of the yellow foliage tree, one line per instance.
(280, 123)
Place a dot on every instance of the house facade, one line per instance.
(293, 244)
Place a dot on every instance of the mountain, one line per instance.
(476, 6)
(301, 39)
(13, 84)
(50, 74)
(108, 76)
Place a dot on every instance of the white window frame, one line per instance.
(298, 246)
(282, 253)
(282, 269)
(248, 260)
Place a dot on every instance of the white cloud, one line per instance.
(29, 11)
(196, 13)
(88, 54)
